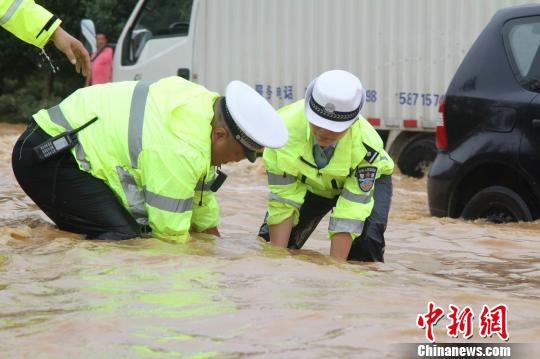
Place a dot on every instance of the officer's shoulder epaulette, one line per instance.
(371, 154)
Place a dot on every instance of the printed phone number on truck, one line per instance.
(416, 98)
(286, 92)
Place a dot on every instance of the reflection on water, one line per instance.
(62, 296)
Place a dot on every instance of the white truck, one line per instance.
(404, 51)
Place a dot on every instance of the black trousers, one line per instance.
(368, 247)
(73, 199)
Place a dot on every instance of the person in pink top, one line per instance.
(102, 61)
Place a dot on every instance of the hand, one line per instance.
(74, 51)
(213, 231)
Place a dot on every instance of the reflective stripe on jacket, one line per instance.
(359, 158)
(28, 21)
(151, 145)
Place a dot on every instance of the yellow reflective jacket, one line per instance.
(359, 158)
(28, 21)
(151, 145)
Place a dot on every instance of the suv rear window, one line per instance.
(522, 42)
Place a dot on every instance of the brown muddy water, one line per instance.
(65, 297)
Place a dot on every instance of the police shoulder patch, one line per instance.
(366, 177)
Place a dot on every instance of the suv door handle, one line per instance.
(536, 122)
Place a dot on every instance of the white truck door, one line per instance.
(156, 42)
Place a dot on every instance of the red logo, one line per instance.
(461, 321)
(429, 320)
(494, 321)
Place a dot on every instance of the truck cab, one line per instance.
(157, 32)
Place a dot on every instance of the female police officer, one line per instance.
(334, 159)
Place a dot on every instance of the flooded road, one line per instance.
(65, 297)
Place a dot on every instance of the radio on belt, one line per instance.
(59, 144)
(220, 178)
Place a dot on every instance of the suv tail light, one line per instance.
(440, 134)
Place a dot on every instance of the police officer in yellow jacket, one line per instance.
(35, 25)
(141, 155)
(334, 160)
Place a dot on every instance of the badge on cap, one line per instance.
(330, 107)
(366, 177)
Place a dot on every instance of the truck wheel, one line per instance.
(417, 156)
(497, 204)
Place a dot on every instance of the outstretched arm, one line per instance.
(35, 25)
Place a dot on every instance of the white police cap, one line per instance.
(333, 100)
(252, 120)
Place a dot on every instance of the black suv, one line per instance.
(488, 162)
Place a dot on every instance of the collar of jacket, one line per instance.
(344, 157)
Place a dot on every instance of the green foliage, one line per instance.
(27, 83)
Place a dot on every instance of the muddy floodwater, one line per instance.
(65, 297)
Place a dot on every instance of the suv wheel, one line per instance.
(497, 204)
